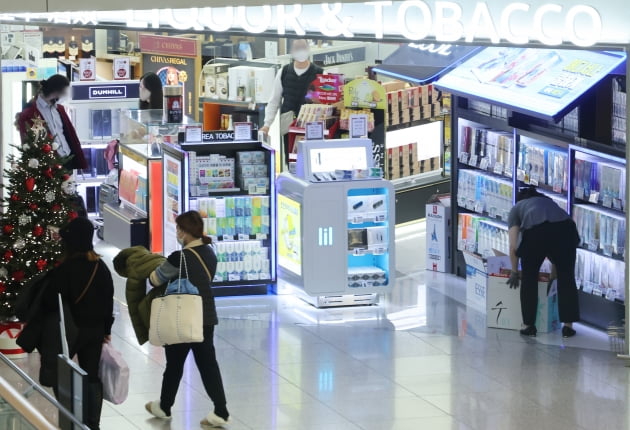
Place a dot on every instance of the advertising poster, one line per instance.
(538, 82)
(290, 235)
(176, 61)
(172, 201)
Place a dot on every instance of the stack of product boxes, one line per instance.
(253, 175)
(240, 217)
(210, 173)
(246, 260)
(405, 105)
(216, 80)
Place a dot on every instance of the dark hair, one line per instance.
(528, 192)
(53, 84)
(153, 83)
(191, 222)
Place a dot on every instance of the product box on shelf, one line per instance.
(438, 227)
(222, 86)
(241, 83)
(263, 83)
(487, 291)
(211, 74)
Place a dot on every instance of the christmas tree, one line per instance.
(37, 200)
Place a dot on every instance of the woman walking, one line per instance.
(201, 263)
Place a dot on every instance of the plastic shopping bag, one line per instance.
(114, 374)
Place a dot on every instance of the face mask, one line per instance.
(180, 240)
(301, 55)
(145, 94)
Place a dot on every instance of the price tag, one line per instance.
(243, 237)
(470, 205)
(315, 130)
(498, 169)
(358, 252)
(594, 197)
(243, 131)
(557, 188)
(492, 213)
(234, 277)
(261, 236)
(617, 204)
(379, 218)
(607, 202)
(463, 157)
(379, 251)
(485, 162)
(508, 172)
(533, 181)
(228, 237)
(588, 287)
(593, 245)
(597, 291)
(505, 214)
(520, 175)
(611, 294)
(608, 250)
(479, 207)
(579, 193)
(473, 160)
(357, 220)
(461, 201)
(358, 126)
(252, 276)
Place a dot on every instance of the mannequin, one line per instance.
(151, 96)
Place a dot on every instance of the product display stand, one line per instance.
(336, 226)
(570, 158)
(232, 186)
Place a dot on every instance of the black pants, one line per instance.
(206, 359)
(558, 242)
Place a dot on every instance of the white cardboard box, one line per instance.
(486, 288)
(264, 78)
(438, 225)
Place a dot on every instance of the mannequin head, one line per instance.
(54, 88)
(151, 96)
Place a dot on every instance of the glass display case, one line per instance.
(139, 216)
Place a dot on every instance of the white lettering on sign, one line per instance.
(535, 21)
(448, 25)
(433, 48)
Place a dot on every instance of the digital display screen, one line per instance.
(538, 82)
(342, 158)
(290, 234)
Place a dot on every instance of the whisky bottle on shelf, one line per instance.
(87, 48)
(73, 49)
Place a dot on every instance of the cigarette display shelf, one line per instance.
(601, 294)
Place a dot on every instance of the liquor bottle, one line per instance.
(73, 49)
(60, 48)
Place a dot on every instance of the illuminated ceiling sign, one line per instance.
(496, 21)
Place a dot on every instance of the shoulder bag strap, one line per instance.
(87, 286)
(203, 263)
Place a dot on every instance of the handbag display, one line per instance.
(177, 317)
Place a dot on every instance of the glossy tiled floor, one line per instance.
(420, 361)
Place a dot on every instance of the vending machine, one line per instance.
(336, 225)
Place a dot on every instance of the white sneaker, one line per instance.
(213, 421)
(154, 409)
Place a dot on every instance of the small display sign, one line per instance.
(243, 131)
(122, 68)
(314, 130)
(358, 126)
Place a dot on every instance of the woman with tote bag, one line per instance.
(200, 266)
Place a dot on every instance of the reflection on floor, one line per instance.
(420, 360)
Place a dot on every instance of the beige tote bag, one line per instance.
(177, 317)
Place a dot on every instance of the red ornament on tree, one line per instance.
(72, 215)
(65, 177)
(41, 264)
(48, 172)
(33, 206)
(3, 287)
(46, 148)
(29, 184)
(7, 229)
(8, 254)
(18, 275)
(38, 230)
(56, 207)
(15, 197)
(58, 166)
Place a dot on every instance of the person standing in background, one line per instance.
(290, 88)
(47, 107)
(540, 229)
(151, 94)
